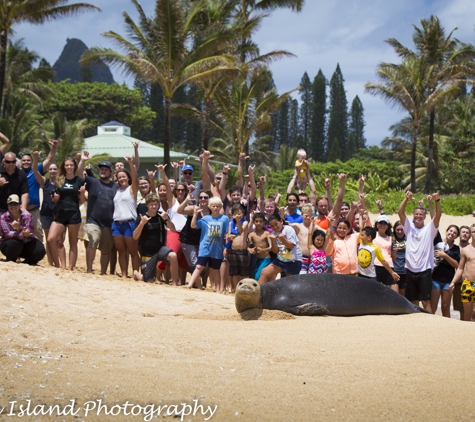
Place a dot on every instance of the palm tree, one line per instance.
(21, 77)
(37, 12)
(243, 109)
(405, 86)
(451, 64)
(160, 50)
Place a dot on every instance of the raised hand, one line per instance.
(160, 167)
(151, 173)
(144, 218)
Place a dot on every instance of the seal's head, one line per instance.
(248, 295)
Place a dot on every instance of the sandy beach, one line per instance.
(117, 346)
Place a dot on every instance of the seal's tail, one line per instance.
(418, 309)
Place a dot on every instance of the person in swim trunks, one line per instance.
(467, 289)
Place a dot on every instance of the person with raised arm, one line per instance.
(125, 216)
(100, 213)
(48, 206)
(33, 206)
(70, 188)
(213, 231)
(419, 250)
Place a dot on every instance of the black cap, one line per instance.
(105, 164)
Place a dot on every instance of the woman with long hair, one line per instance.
(174, 198)
(48, 205)
(448, 261)
(125, 214)
(70, 188)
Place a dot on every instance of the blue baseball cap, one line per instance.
(105, 164)
(187, 167)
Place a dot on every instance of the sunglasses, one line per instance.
(218, 178)
(204, 197)
(180, 190)
(187, 172)
(10, 162)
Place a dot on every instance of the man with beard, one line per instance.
(100, 210)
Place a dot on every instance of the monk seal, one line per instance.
(323, 294)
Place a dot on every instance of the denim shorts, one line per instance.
(438, 285)
(125, 228)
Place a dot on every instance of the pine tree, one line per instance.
(305, 109)
(357, 124)
(338, 120)
(333, 152)
(284, 124)
(294, 133)
(318, 119)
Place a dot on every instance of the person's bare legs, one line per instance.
(445, 303)
(215, 276)
(73, 231)
(105, 257)
(467, 310)
(121, 250)
(174, 270)
(269, 273)
(434, 300)
(394, 287)
(195, 277)
(223, 274)
(90, 257)
(181, 276)
(132, 248)
(113, 260)
(55, 240)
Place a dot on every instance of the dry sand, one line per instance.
(73, 336)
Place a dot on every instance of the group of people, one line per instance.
(176, 226)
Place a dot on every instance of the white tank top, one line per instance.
(124, 206)
(179, 220)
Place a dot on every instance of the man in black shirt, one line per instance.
(100, 209)
(151, 234)
(13, 181)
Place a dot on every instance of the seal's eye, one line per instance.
(239, 283)
(254, 284)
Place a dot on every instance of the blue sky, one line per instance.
(325, 33)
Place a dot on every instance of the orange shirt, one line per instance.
(323, 223)
(345, 254)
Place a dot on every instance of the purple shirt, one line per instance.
(8, 232)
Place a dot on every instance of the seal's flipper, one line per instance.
(418, 309)
(310, 309)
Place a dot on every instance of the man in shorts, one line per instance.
(419, 250)
(100, 210)
(466, 267)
